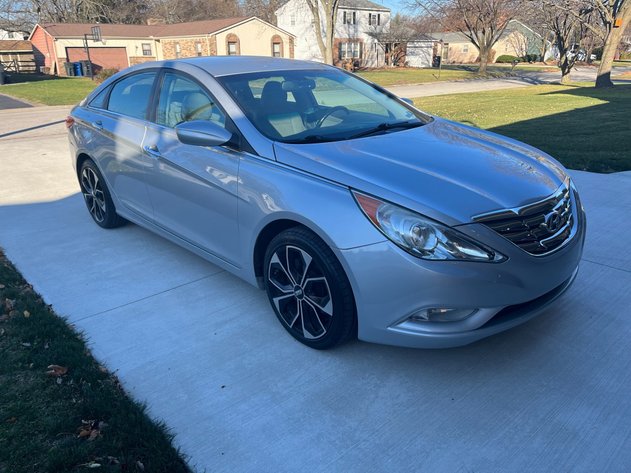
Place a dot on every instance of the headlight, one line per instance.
(420, 236)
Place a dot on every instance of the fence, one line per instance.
(19, 66)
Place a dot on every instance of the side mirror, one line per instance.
(202, 133)
(408, 101)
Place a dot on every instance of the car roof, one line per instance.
(218, 66)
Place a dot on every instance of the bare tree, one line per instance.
(324, 14)
(482, 21)
(567, 29)
(178, 11)
(264, 9)
(615, 16)
(393, 40)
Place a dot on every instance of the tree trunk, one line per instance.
(484, 59)
(603, 77)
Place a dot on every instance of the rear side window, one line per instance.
(131, 95)
(100, 99)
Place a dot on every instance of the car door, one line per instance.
(193, 189)
(119, 126)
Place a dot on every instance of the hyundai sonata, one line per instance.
(360, 215)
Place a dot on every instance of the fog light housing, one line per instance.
(441, 314)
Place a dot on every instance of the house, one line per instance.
(17, 56)
(518, 40)
(17, 35)
(126, 45)
(356, 21)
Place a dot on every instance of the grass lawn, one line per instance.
(401, 76)
(60, 410)
(583, 127)
(50, 91)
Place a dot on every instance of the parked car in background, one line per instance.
(359, 214)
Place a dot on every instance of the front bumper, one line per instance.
(390, 285)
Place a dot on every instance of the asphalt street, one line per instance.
(206, 353)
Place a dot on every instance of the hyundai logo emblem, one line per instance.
(552, 221)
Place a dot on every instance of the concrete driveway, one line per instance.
(206, 353)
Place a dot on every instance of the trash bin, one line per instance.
(436, 61)
(69, 69)
(86, 68)
(77, 69)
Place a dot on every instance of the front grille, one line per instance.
(538, 228)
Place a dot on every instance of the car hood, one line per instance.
(443, 170)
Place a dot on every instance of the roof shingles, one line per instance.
(142, 31)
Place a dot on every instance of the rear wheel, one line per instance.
(97, 196)
(308, 289)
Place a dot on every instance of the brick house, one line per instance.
(126, 45)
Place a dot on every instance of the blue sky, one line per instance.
(394, 5)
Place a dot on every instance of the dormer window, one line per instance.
(349, 18)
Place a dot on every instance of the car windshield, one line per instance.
(311, 106)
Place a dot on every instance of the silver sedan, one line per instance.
(360, 215)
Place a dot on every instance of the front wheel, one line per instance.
(308, 289)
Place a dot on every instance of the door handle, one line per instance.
(98, 124)
(152, 150)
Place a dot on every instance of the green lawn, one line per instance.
(402, 76)
(59, 410)
(50, 91)
(585, 128)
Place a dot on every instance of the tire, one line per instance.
(97, 196)
(308, 289)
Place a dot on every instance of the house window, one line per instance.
(178, 50)
(232, 48)
(292, 19)
(198, 48)
(350, 50)
(465, 48)
(146, 49)
(374, 19)
(277, 46)
(349, 18)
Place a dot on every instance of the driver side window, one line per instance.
(183, 100)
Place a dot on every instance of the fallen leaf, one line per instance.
(59, 381)
(56, 370)
(93, 465)
(140, 465)
(9, 304)
(84, 433)
(13, 313)
(12, 420)
(27, 314)
(46, 346)
(26, 344)
(2, 331)
(2, 286)
(94, 434)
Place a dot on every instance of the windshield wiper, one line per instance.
(311, 139)
(385, 127)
